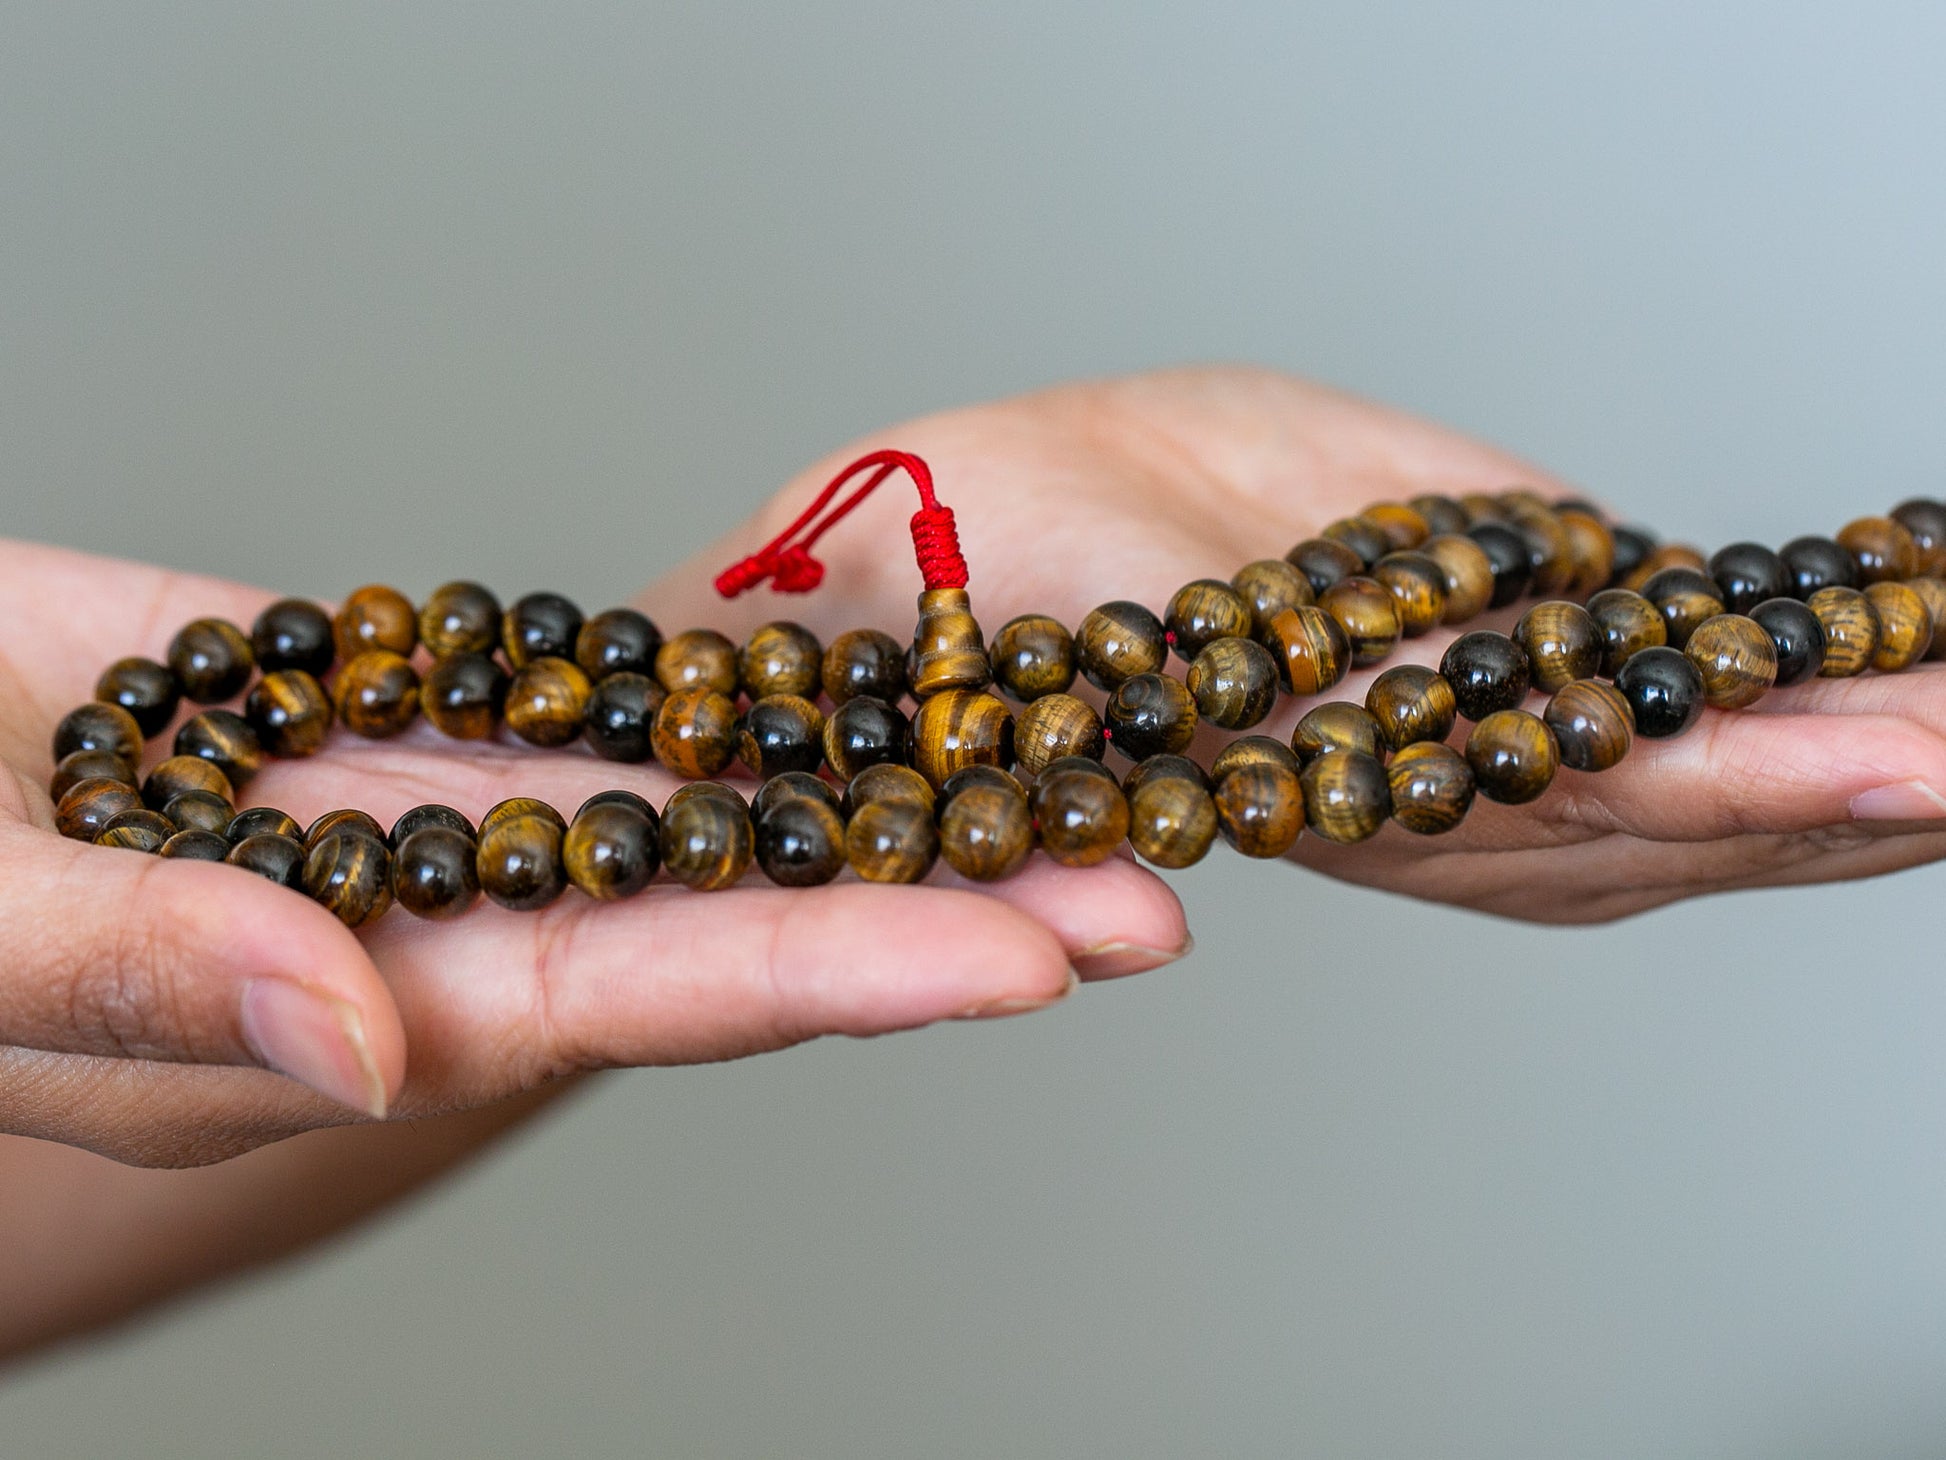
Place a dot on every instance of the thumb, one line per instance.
(111, 952)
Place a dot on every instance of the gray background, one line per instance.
(551, 294)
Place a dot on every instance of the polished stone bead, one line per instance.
(1550, 557)
(289, 713)
(515, 806)
(541, 625)
(721, 790)
(1466, 574)
(460, 618)
(1562, 644)
(1417, 584)
(279, 858)
(262, 821)
(1513, 756)
(1032, 656)
(1233, 682)
(375, 617)
(617, 641)
(780, 658)
(293, 634)
(463, 696)
(961, 727)
(1337, 725)
(620, 717)
(547, 701)
(1685, 597)
(1171, 821)
(1403, 526)
(1118, 641)
(1480, 507)
(800, 841)
(697, 659)
(1309, 649)
(138, 830)
(1734, 655)
(947, 649)
(620, 797)
(1058, 725)
(1591, 551)
(435, 873)
(211, 660)
(1442, 515)
(181, 773)
(1364, 609)
(864, 662)
(1817, 562)
(1160, 766)
(986, 833)
(225, 740)
(1925, 520)
(1665, 556)
(346, 821)
(1251, 750)
(1150, 714)
(1629, 623)
(1091, 767)
(195, 846)
(1882, 548)
(891, 839)
(1324, 561)
(1431, 786)
(144, 688)
(1260, 809)
(200, 811)
(1507, 555)
(1905, 626)
(1932, 593)
(350, 876)
(1346, 795)
(793, 784)
(1081, 815)
(695, 732)
(1592, 724)
(98, 726)
(1487, 671)
(1796, 636)
(1850, 625)
(1632, 548)
(377, 694)
(1411, 703)
(865, 731)
(886, 782)
(1747, 573)
(1202, 612)
(977, 775)
(1269, 586)
(1362, 537)
(428, 815)
(707, 842)
(611, 850)
(519, 862)
(778, 733)
(88, 765)
(1664, 692)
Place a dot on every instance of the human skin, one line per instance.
(122, 978)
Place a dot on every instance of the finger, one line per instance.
(1113, 919)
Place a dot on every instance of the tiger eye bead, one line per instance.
(1507, 555)
(1925, 520)
(1736, 659)
(1513, 756)
(515, 806)
(1364, 609)
(707, 842)
(697, 659)
(1339, 725)
(350, 876)
(611, 850)
(88, 765)
(1441, 514)
(1362, 537)
(1467, 573)
(886, 783)
(947, 649)
(540, 626)
(97, 726)
(1309, 649)
(1932, 593)
(1081, 816)
(1431, 787)
(1324, 561)
(1562, 643)
(289, 713)
(377, 694)
(1201, 612)
(1664, 692)
(1260, 809)
(1411, 703)
(1905, 627)
(519, 862)
(1119, 641)
(181, 773)
(792, 784)
(199, 811)
(1813, 563)
(195, 846)
(800, 842)
(1157, 767)
(1418, 587)
(1665, 556)
(460, 618)
(1251, 750)
(1591, 551)
(1268, 587)
(211, 660)
(293, 634)
(137, 830)
(225, 740)
(617, 641)
(1032, 656)
(463, 696)
(87, 808)
(434, 875)
(1346, 796)
(1054, 726)
(780, 658)
(1592, 724)
(346, 821)
(1796, 636)
(864, 662)
(1150, 714)
(892, 840)
(620, 716)
(1632, 549)
(1746, 574)
(261, 821)
(780, 733)
(1850, 625)
(1685, 597)
(1628, 624)
(144, 688)
(1233, 682)
(547, 701)
(1403, 526)
(961, 727)
(1882, 548)
(432, 814)
(967, 777)
(375, 617)
(1550, 555)
(986, 833)
(1171, 821)
(865, 731)
(695, 732)
(279, 858)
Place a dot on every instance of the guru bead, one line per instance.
(1171, 820)
(1268, 587)
(224, 739)
(800, 841)
(1118, 641)
(780, 732)
(1233, 682)
(289, 712)
(611, 850)
(1201, 612)
(1346, 795)
(463, 695)
(892, 839)
(961, 727)
(780, 658)
(617, 641)
(90, 805)
(1081, 815)
(434, 874)
(1032, 656)
(460, 618)
(864, 662)
(375, 617)
(1881, 547)
(102, 727)
(1260, 809)
(519, 862)
(1905, 627)
(695, 732)
(377, 694)
(144, 688)
(293, 634)
(1592, 724)
(865, 731)
(707, 842)
(1467, 573)
(1411, 703)
(948, 652)
(1431, 787)
(1562, 644)
(1513, 756)
(1628, 623)
(1736, 659)
(986, 833)
(1150, 714)
(1339, 725)
(1364, 609)
(211, 660)
(1418, 587)
(1309, 648)
(1850, 625)
(547, 700)
(1054, 726)
(697, 659)
(1795, 635)
(350, 876)
(540, 625)
(621, 716)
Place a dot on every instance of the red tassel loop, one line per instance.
(789, 564)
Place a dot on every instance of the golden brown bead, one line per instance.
(435, 873)
(707, 842)
(1882, 547)
(864, 662)
(611, 850)
(347, 821)
(87, 808)
(519, 862)
(199, 811)
(97, 726)
(956, 728)
(463, 695)
(1417, 584)
(1203, 611)
(1082, 817)
(948, 650)
(377, 694)
(695, 732)
(211, 660)
(1150, 714)
(1403, 526)
(1324, 561)
(1268, 587)
(277, 858)
(781, 658)
(1550, 553)
(146, 689)
(1685, 597)
(1926, 521)
(1431, 786)
(1561, 642)
(1736, 658)
(780, 733)
(1260, 809)
(1251, 750)
(891, 840)
(1338, 725)
(986, 833)
(1480, 507)
(139, 830)
(1628, 624)
(225, 740)
(1905, 626)
(263, 821)
(350, 876)
(1118, 641)
(617, 641)
(375, 617)
(547, 700)
(181, 773)
(1053, 726)
(1362, 537)
(1157, 766)
(886, 782)
(1411, 703)
(514, 806)
(459, 618)
(290, 712)
(1442, 514)
(1513, 756)
(621, 716)
(865, 731)
(1032, 655)
(1171, 821)
(1592, 724)
(195, 846)
(1665, 555)
(1346, 796)
(293, 634)
(1468, 575)
(697, 659)
(1932, 593)
(1233, 682)
(540, 624)
(88, 765)
(1850, 625)
(1309, 648)
(1591, 552)
(1364, 610)
(800, 841)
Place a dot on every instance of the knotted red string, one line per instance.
(789, 564)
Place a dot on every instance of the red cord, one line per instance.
(790, 566)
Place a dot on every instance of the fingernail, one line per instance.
(314, 1039)
(1002, 1008)
(1118, 960)
(1903, 801)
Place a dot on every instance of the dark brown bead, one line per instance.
(617, 641)
(721, 790)
(1811, 563)
(1549, 554)
(1925, 519)
(88, 765)
(1324, 561)
(1269, 586)
(1882, 548)
(1850, 625)
(1081, 816)
(547, 700)
(793, 783)
(1666, 555)
(1157, 767)
(346, 821)
(864, 662)
(1685, 597)
(1628, 624)
(865, 731)
(1905, 626)
(1202, 612)
(428, 815)
(697, 659)
(289, 713)
(1591, 552)
(621, 716)
(139, 830)
(1736, 658)
(98, 726)
(262, 821)
(1417, 584)
(707, 842)
(1032, 656)
(293, 634)
(1251, 750)
(199, 811)
(780, 658)
(1513, 756)
(1510, 555)
(1150, 714)
(435, 873)
(891, 840)
(800, 841)
(519, 862)
(1467, 572)
(146, 689)
(1440, 514)
(460, 618)
(1119, 641)
(541, 625)
(947, 650)
(1362, 537)
(181, 773)
(977, 775)
(1411, 703)
(211, 660)
(886, 782)
(611, 850)
(961, 727)
(1364, 609)
(1053, 726)
(463, 696)
(225, 740)
(279, 858)
(515, 806)
(375, 617)
(1346, 795)
(1260, 809)
(1592, 724)
(195, 846)
(986, 833)
(779, 733)
(695, 732)
(377, 694)
(1932, 593)
(1171, 821)
(350, 876)
(1404, 526)
(1309, 648)
(1234, 683)
(1562, 644)
(1431, 786)
(1338, 725)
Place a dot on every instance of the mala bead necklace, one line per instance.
(884, 756)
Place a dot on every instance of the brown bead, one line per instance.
(948, 651)
(1549, 552)
(515, 806)
(1418, 587)
(1562, 643)
(1309, 648)
(961, 727)
(883, 783)
(519, 862)
(780, 733)
(1926, 521)
(1234, 683)
(1362, 537)
(1905, 626)
(1364, 609)
(377, 694)
(346, 821)
(1468, 575)
(293, 634)
(146, 689)
(1324, 561)
(1251, 750)
(1204, 611)
(1269, 586)
(199, 811)
(697, 659)
(181, 773)
(1081, 817)
(375, 617)
(136, 831)
(864, 662)
(1666, 555)
(1171, 821)
(1591, 552)
(1932, 593)
(1346, 796)
(262, 821)
(547, 700)
(1592, 724)
(1628, 624)
(1338, 725)
(1736, 658)
(1882, 547)
(695, 732)
(1118, 641)
(90, 805)
(195, 846)
(88, 765)
(1411, 703)
(278, 858)
(463, 696)
(435, 873)
(211, 660)
(290, 713)
(1260, 809)
(96, 726)
(617, 641)
(865, 731)
(1150, 714)
(1850, 625)
(612, 850)
(226, 741)
(891, 840)
(1685, 597)
(1404, 527)
(707, 841)
(1442, 514)
(1431, 786)
(459, 618)
(540, 624)
(1032, 656)
(985, 833)
(781, 658)
(1053, 726)
(1480, 507)
(793, 784)
(1157, 767)
(350, 876)
(1513, 756)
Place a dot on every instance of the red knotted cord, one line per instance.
(789, 564)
